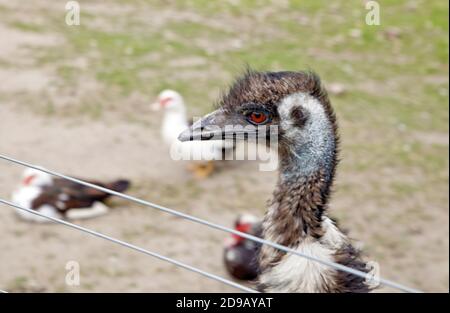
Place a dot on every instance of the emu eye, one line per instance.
(257, 117)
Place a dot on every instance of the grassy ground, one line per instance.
(392, 191)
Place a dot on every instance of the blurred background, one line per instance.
(76, 99)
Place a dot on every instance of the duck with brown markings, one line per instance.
(60, 198)
(297, 105)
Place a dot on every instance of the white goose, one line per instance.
(175, 121)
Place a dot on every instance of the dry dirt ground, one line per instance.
(45, 120)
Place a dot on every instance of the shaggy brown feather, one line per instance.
(299, 203)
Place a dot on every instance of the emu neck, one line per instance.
(306, 172)
(301, 196)
(297, 208)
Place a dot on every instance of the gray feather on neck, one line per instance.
(312, 145)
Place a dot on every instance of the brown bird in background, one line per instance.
(241, 255)
(60, 198)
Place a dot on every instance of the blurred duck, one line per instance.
(240, 254)
(201, 153)
(60, 198)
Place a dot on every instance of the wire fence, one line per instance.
(334, 265)
(133, 247)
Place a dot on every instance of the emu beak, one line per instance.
(219, 126)
(210, 127)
